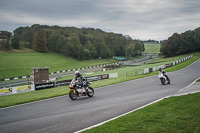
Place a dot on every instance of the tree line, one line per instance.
(183, 43)
(150, 41)
(79, 43)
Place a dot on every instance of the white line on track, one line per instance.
(120, 115)
(99, 124)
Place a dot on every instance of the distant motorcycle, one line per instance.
(78, 91)
(163, 78)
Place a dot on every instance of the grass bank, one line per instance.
(21, 98)
(172, 115)
(14, 64)
(152, 48)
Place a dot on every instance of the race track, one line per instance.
(63, 115)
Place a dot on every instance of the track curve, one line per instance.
(64, 115)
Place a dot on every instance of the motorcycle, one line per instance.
(163, 78)
(78, 91)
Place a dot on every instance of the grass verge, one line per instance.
(152, 48)
(19, 64)
(171, 115)
(21, 98)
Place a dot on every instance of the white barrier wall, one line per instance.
(158, 67)
(113, 75)
(154, 69)
(146, 70)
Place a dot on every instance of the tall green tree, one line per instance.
(186, 42)
(40, 41)
(196, 38)
(15, 42)
(5, 35)
(130, 50)
(171, 46)
(5, 40)
(89, 50)
(74, 47)
(139, 47)
(84, 43)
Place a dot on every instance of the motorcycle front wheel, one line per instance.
(168, 81)
(73, 95)
(90, 92)
(162, 81)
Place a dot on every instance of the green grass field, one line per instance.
(172, 115)
(19, 64)
(21, 98)
(152, 48)
(169, 115)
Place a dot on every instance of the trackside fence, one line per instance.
(148, 70)
(34, 87)
(63, 71)
(134, 73)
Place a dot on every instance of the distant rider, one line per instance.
(164, 73)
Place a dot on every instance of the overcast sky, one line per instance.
(140, 19)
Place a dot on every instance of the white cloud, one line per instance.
(147, 19)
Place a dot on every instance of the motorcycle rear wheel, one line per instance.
(90, 92)
(73, 95)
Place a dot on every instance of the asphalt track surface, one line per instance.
(63, 115)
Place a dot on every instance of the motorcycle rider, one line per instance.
(164, 73)
(80, 78)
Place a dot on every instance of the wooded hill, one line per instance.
(183, 43)
(80, 43)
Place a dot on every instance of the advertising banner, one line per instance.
(19, 89)
(6, 91)
(93, 78)
(23, 89)
(44, 85)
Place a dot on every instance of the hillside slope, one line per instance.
(19, 64)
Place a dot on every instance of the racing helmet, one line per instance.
(77, 73)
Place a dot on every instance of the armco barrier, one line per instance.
(148, 70)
